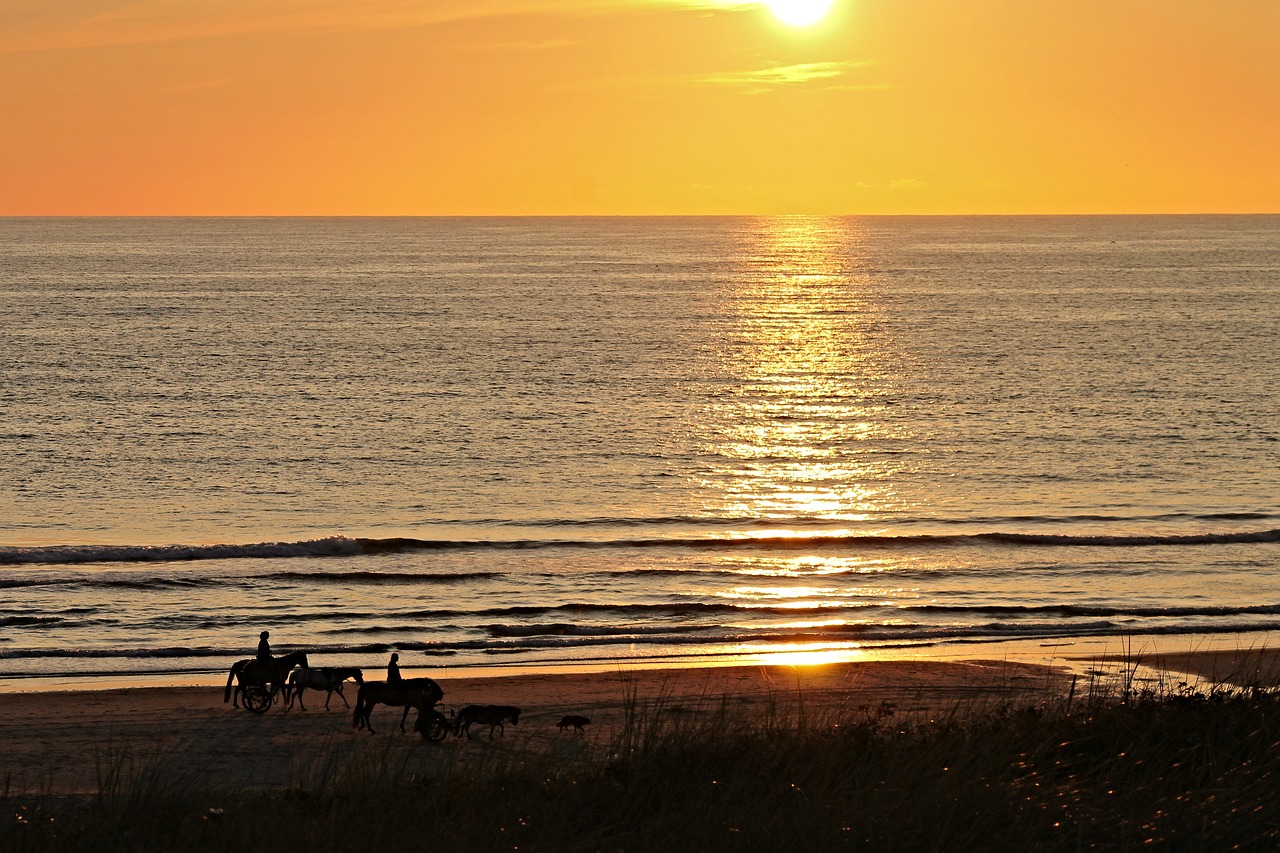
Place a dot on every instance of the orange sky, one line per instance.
(231, 107)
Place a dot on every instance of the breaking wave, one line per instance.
(342, 546)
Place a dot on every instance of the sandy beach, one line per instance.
(69, 742)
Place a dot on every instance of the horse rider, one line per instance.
(393, 669)
(264, 648)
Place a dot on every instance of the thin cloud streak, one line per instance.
(80, 24)
(783, 75)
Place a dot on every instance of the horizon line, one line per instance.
(614, 215)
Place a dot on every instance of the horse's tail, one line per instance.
(231, 677)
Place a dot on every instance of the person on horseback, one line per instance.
(264, 648)
(393, 669)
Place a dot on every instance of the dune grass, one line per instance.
(1106, 767)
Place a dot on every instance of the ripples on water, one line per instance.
(477, 440)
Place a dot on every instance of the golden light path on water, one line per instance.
(801, 596)
(811, 566)
(801, 364)
(802, 368)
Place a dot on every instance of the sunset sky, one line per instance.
(258, 107)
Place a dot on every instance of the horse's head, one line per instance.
(358, 675)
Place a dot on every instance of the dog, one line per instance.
(492, 716)
(573, 720)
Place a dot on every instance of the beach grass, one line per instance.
(1110, 765)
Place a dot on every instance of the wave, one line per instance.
(332, 546)
(1080, 610)
(27, 621)
(566, 629)
(1255, 536)
(336, 546)
(640, 620)
(713, 641)
(793, 542)
(170, 582)
(647, 614)
(380, 577)
(819, 522)
(1062, 611)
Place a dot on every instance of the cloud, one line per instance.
(766, 79)
(72, 24)
(715, 5)
(69, 24)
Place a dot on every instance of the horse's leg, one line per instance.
(405, 716)
(343, 696)
(297, 694)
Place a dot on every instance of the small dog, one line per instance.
(492, 716)
(573, 720)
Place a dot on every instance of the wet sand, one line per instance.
(1245, 667)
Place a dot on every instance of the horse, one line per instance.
(252, 672)
(327, 678)
(420, 693)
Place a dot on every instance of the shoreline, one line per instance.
(1075, 654)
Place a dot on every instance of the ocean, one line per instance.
(537, 441)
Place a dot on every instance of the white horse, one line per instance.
(327, 678)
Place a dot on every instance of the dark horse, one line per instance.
(251, 672)
(420, 693)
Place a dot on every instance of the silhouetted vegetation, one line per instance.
(1183, 768)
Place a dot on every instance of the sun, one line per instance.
(799, 13)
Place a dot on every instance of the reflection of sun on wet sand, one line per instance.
(1250, 667)
(62, 742)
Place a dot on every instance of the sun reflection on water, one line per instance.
(798, 433)
(806, 404)
(807, 385)
(811, 566)
(816, 596)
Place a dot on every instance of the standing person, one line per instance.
(393, 669)
(264, 647)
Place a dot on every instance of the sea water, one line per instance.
(480, 441)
